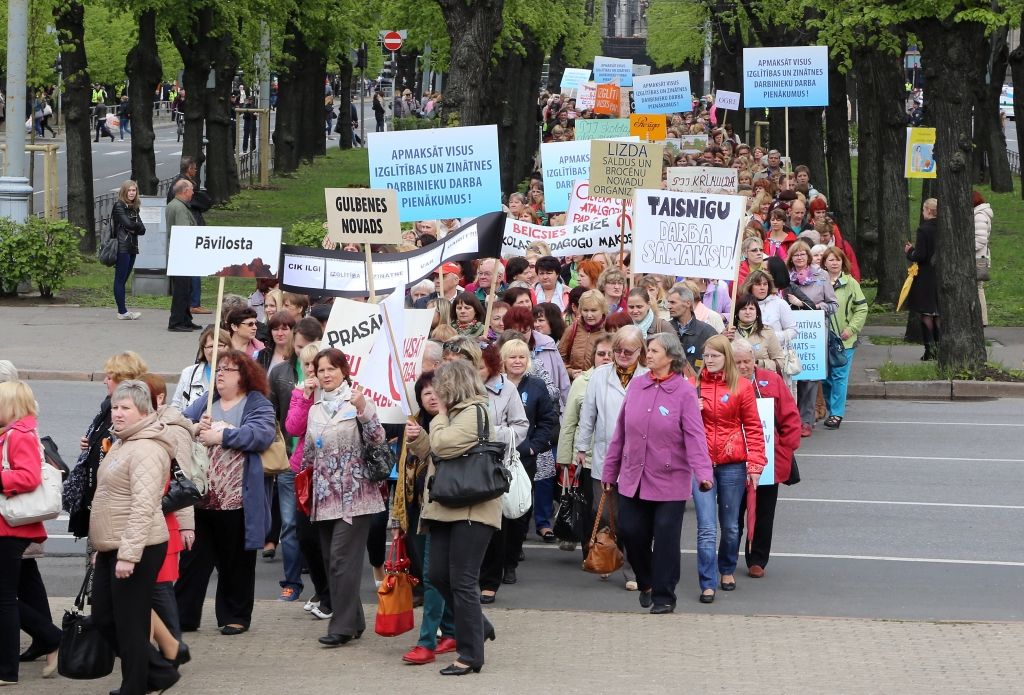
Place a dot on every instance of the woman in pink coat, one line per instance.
(659, 446)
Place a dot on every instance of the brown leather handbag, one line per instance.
(604, 556)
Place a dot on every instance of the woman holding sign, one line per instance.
(736, 445)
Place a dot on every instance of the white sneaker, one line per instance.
(322, 615)
(129, 316)
(312, 603)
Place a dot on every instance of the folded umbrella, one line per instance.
(751, 511)
(905, 290)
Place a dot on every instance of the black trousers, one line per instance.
(764, 523)
(34, 608)
(166, 606)
(274, 534)
(643, 524)
(121, 611)
(377, 541)
(220, 544)
(309, 544)
(506, 543)
(456, 551)
(181, 289)
(11, 550)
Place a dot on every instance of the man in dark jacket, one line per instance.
(197, 205)
(692, 332)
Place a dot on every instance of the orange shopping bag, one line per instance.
(394, 597)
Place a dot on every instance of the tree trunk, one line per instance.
(948, 49)
(144, 72)
(406, 75)
(806, 141)
(195, 73)
(890, 185)
(221, 170)
(299, 125)
(868, 155)
(727, 68)
(472, 28)
(556, 66)
(1016, 61)
(345, 69)
(987, 110)
(514, 81)
(837, 140)
(69, 19)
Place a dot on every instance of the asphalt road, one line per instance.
(911, 511)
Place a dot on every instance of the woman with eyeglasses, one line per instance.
(735, 441)
(195, 378)
(604, 397)
(233, 517)
(566, 453)
(241, 324)
(657, 448)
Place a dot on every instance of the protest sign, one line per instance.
(363, 216)
(606, 103)
(358, 330)
(785, 76)
(453, 172)
(688, 144)
(810, 344)
(766, 411)
(727, 100)
(241, 252)
(686, 234)
(587, 96)
(641, 70)
(343, 273)
(920, 159)
(562, 163)
(648, 126)
(665, 93)
(601, 128)
(600, 217)
(572, 78)
(562, 239)
(702, 179)
(613, 69)
(626, 102)
(617, 167)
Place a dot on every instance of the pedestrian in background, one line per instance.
(127, 226)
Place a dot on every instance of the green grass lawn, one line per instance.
(291, 198)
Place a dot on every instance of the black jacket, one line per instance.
(127, 226)
(542, 414)
(693, 336)
(200, 202)
(282, 380)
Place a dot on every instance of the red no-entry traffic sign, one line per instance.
(392, 41)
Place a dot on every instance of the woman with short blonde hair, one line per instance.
(576, 346)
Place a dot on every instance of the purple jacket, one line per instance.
(659, 441)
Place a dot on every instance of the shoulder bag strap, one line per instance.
(481, 432)
(3, 457)
(597, 519)
(84, 591)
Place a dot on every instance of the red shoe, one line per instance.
(418, 655)
(805, 430)
(445, 645)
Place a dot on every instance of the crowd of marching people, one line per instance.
(623, 398)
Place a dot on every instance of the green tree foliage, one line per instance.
(675, 31)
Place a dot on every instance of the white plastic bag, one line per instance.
(519, 498)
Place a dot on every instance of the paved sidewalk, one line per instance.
(594, 652)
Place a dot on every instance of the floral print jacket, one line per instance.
(341, 488)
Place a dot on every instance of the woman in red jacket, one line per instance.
(22, 473)
(736, 444)
(785, 440)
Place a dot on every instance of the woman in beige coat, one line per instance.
(128, 531)
(459, 535)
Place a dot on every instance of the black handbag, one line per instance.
(181, 493)
(476, 476)
(107, 252)
(378, 459)
(794, 473)
(836, 350)
(84, 653)
(571, 515)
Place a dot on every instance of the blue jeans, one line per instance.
(436, 613)
(122, 269)
(834, 386)
(126, 126)
(543, 502)
(289, 540)
(725, 498)
(196, 293)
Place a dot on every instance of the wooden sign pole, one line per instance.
(369, 274)
(490, 297)
(788, 163)
(736, 275)
(216, 345)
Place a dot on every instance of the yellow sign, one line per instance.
(920, 158)
(618, 167)
(648, 126)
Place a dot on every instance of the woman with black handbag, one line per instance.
(459, 534)
(127, 226)
(341, 427)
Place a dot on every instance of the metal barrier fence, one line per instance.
(248, 165)
(1014, 158)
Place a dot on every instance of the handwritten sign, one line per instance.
(810, 344)
(601, 128)
(702, 179)
(563, 240)
(664, 93)
(598, 216)
(648, 126)
(785, 76)
(617, 168)
(587, 96)
(606, 103)
(686, 234)
(727, 100)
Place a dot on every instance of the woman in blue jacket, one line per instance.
(233, 517)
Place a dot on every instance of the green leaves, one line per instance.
(45, 251)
